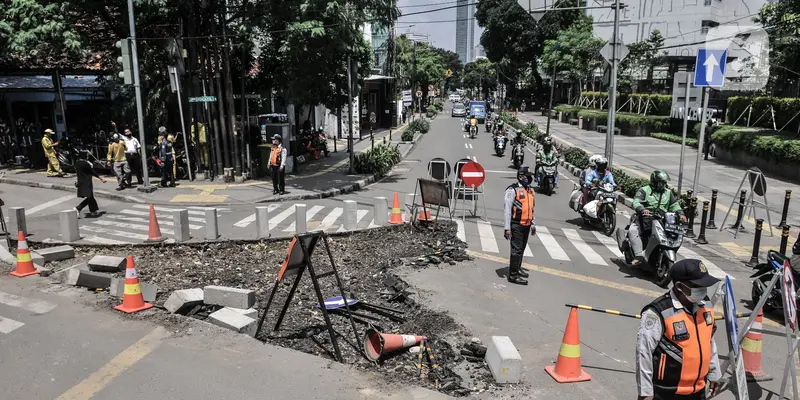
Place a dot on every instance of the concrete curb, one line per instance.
(68, 188)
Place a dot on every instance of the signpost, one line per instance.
(473, 174)
(407, 99)
(203, 99)
(709, 71)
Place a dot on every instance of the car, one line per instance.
(458, 110)
(455, 98)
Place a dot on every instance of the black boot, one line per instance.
(523, 273)
(517, 279)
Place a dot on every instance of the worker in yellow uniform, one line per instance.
(201, 145)
(116, 157)
(171, 139)
(49, 145)
(676, 356)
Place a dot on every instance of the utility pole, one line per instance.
(349, 110)
(612, 89)
(550, 104)
(138, 89)
(706, 95)
(685, 128)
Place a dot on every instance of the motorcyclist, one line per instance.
(585, 173)
(652, 197)
(600, 173)
(546, 154)
(499, 125)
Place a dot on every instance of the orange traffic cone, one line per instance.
(24, 262)
(397, 214)
(377, 344)
(154, 234)
(132, 299)
(568, 364)
(425, 215)
(751, 352)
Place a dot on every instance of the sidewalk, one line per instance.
(314, 179)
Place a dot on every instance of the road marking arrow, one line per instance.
(711, 65)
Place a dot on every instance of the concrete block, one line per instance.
(181, 220)
(68, 219)
(149, 290)
(182, 301)
(300, 218)
(16, 221)
(504, 360)
(37, 258)
(212, 228)
(250, 312)
(61, 275)
(234, 321)
(107, 264)
(262, 222)
(407, 206)
(89, 279)
(6, 257)
(229, 297)
(350, 215)
(381, 211)
(57, 253)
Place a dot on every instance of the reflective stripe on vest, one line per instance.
(275, 156)
(522, 209)
(683, 354)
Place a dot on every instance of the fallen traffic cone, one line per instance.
(568, 364)
(397, 214)
(154, 234)
(377, 344)
(751, 352)
(132, 299)
(425, 215)
(24, 262)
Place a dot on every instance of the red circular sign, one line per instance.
(472, 174)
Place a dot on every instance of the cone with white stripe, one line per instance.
(397, 214)
(24, 262)
(132, 299)
(751, 352)
(568, 365)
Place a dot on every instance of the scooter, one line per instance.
(488, 125)
(660, 248)
(518, 155)
(764, 274)
(500, 145)
(547, 177)
(473, 131)
(600, 212)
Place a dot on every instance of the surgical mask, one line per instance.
(697, 295)
(525, 181)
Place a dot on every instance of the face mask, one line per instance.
(524, 181)
(697, 295)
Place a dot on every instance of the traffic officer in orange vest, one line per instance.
(277, 161)
(519, 222)
(676, 356)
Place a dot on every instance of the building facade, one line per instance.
(463, 30)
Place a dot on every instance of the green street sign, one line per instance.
(203, 99)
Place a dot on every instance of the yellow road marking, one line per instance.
(736, 250)
(90, 386)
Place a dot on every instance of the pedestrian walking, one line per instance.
(166, 158)
(116, 157)
(676, 356)
(49, 146)
(277, 161)
(85, 172)
(519, 222)
(132, 155)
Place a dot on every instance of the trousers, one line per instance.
(135, 164)
(701, 395)
(167, 177)
(89, 201)
(635, 236)
(519, 240)
(278, 179)
(123, 172)
(53, 166)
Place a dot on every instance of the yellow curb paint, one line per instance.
(90, 386)
(203, 197)
(736, 250)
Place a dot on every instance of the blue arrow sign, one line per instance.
(709, 69)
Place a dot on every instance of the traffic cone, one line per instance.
(425, 215)
(751, 352)
(132, 299)
(154, 234)
(397, 214)
(24, 262)
(568, 364)
(377, 344)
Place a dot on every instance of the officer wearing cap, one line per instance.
(277, 161)
(676, 356)
(519, 222)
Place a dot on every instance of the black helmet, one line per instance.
(658, 180)
(524, 174)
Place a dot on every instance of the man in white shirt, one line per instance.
(132, 147)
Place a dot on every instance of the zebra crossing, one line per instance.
(20, 305)
(283, 221)
(131, 225)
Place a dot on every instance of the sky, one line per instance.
(440, 26)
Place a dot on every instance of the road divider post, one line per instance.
(710, 224)
(262, 222)
(212, 227)
(702, 238)
(68, 219)
(381, 206)
(180, 219)
(300, 218)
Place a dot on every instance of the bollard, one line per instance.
(16, 221)
(740, 213)
(350, 215)
(381, 211)
(692, 212)
(390, 134)
(371, 138)
(300, 218)
(212, 229)
(262, 222)
(409, 204)
(784, 239)
(68, 220)
(702, 238)
(334, 144)
(756, 244)
(785, 208)
(180, 220)
(710, 224)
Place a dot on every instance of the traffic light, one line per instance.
(125, 60)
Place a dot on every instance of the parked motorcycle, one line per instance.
(547, 177)
(518, 155)
(601, 211)
(660, 247)
(764, 274)
(500, 145)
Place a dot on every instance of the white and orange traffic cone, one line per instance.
(568, 364)
(132, 299)
(397, 213)
(751, 352)
(377, 344)
(25, 265)
(154, 230)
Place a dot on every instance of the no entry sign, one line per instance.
(472, 174)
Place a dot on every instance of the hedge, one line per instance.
(378, 161)
(674, 138)
(762, 143)
(580, 159)
(626, 120)
(785, 109)
(421, 125)
(662, 102)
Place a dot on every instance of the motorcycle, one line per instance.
(602, 211)
(547, 177)
(473, 131)
(518, 155)
(764, 274)
(488, 125)
(660, 247)
(500, 145)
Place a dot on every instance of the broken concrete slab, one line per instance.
(107, 264)
(229, 297)
(149, 290)
(504, 360)
(182, 301)
(61, 274)
(230, 319)
(37, 258)
(88, 279)
(44, 272)
(57, 253)
(250, 312)
(6, 257)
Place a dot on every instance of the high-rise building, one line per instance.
(463, 30)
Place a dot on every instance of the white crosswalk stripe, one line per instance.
(610, 243)
(310, 213)
(160, 215)
(488, 242)
(330, 219)
(713, 270)
(32, 306)
(274, 221)
(246, 221)
(586, 251)
(550, 244)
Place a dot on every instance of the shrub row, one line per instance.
(653, 123)
(691, 142)
(420, 125)
(766, 144)
(378, 161)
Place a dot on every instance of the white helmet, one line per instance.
(601, 163)
(593, 160)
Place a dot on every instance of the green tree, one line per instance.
(575, 53)
(418, 66)
(37, 33)
(644, 56)
(451, 61)
(783, 17)
(481, 74)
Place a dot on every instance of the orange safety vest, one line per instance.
(275, 156)
(683, 355)
(524, 201)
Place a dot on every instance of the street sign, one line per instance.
(608, 49)
(472, 174)
(372, 118)
(790, 304)
(252, 96)
(709, 68)
(419, 93)
(407, 99)
(203, 99)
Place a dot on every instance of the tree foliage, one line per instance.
(575, 52)
(644, 56)
(482, 74)
(418, 65)
(783, 17)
